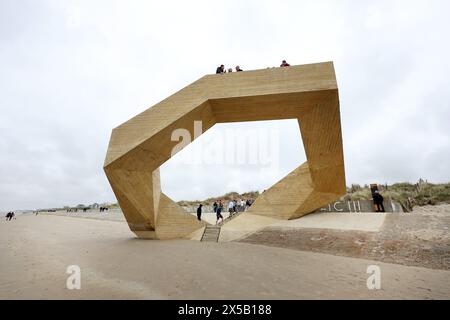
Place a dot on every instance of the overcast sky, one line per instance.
(70, 71)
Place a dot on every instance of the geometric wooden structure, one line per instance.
(308, 93)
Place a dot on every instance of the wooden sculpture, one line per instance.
(308, 93)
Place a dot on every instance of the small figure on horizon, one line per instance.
(199, 212)
(238, 69)
(230, 70)
(378, 201)
(9, 216)
(285, 64)
(220, 69)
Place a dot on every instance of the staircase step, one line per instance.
(211, 234)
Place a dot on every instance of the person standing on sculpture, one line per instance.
(378, 201)
(220, 69)
(199, 212)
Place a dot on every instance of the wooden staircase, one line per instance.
(211, 234)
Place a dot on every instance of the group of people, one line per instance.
(234, 206)
(10, 215)
(221, 68)
(85, 209)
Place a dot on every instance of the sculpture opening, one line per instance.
(233, 157)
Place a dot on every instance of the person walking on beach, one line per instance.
(219, 212)
(199, 212)
(378, 201)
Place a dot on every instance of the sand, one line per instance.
(417, 239)
(36, 250)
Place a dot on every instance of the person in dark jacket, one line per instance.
(285, 64)
(378, 201)
(9, 216)
(219, 212)
(199, 212)
(238, 69)
(215, 206)
(220, 69)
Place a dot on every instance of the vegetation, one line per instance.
(407, 194)
(231, 195)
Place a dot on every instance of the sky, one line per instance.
(71, 71)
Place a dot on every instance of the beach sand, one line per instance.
(36, 251)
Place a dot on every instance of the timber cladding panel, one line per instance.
(308, 93)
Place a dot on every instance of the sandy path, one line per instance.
(35, 252)
(420, 239)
